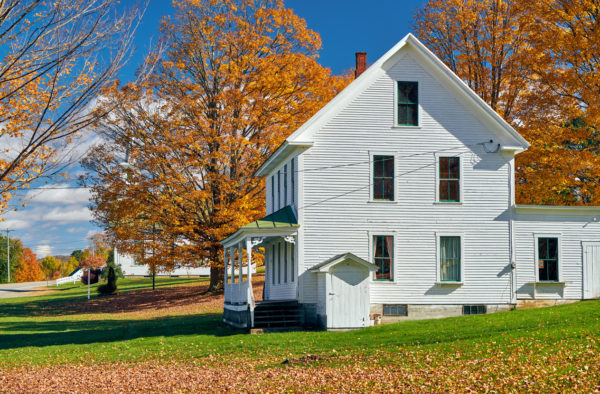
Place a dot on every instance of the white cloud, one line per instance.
(15, 224)
(76, 229)
(91, 233)
(68, 215)
(43, 250)
(52, 194)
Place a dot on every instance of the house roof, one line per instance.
(283, 218)
(340, 258)
(303, 136)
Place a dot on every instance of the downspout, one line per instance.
(511, 241)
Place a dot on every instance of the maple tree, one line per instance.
(93, 262)
(29, 269)
(54, 59)
(237, 77)
(536, 64)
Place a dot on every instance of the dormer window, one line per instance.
(408, 103)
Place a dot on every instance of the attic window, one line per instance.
(408, 103)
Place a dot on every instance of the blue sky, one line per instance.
(57, 221)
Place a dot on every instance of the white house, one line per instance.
(397, 200)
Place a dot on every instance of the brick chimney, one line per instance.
(361, 63)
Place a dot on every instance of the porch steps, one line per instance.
(278, 315)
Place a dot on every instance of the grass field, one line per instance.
(171, 340)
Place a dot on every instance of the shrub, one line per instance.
(111, 284)
(94, 276)
(116, 267)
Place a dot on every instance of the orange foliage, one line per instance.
(29, 269)
(238, 77)
(92, 262)
(536, 63)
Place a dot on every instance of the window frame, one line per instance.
(397, 104)
(372, 155)
(461, 173)
(405, 306)
(536, 237)
(438, 258)
(372, 235)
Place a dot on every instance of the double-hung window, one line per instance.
(408, 103)
(383, 178)
(285, 188)
(272, 193)
(383, 256)
(293, 178)
(548, 259)
(450, 259)
(449, 179)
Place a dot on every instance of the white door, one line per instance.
(348, 296)
(591, 270)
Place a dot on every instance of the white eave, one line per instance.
(558, 209)
(284, 150)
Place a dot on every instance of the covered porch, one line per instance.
(271, 232)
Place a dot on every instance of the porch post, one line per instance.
(249, 252)
(232, 261)
(225, 262)
(241, 262)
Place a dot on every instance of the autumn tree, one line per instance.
(536, 64)
(55, 57)
(29, 270)
(69, 266)
(237, 77)
(50, 267)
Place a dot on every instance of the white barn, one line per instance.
(396, 201)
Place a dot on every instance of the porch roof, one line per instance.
(285, 217)
(280, 223)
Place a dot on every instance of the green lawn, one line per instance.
(54, 335)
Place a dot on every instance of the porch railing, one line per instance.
(238, 293)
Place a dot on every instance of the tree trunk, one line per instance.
(217, 276)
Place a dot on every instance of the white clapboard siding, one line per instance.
(337, 217)
(571, 227)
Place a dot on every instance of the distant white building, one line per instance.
(131, 267)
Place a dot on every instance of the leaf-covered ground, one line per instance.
(170, 340)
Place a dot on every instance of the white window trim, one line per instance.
(461, 182)
(390, 233)
(438, 263)
(536, 237)
(419, 109)
(372, 155)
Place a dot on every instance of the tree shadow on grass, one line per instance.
(138, 300)
(130, 301)
(51, 333)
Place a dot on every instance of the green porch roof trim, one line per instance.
(283, 218)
